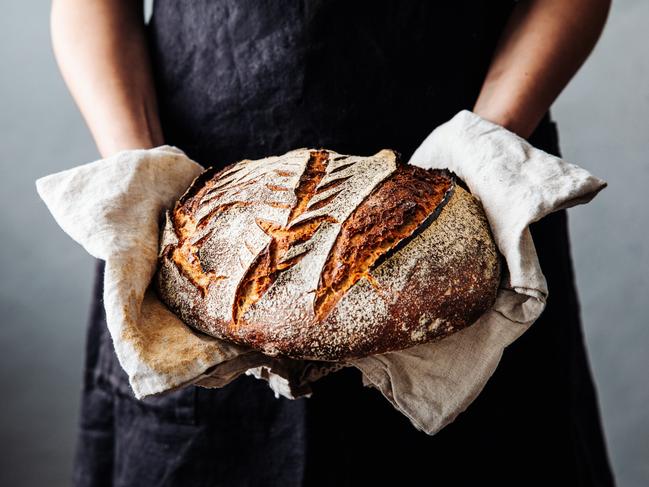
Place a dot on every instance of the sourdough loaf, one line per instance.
(325, 256)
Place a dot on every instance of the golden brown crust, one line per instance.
(272, 260)
(327, 256)
(390, 214)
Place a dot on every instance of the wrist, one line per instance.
(519, 122)
(108, 146)
(140, 130)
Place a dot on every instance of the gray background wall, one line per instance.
(46, 277)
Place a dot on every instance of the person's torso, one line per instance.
(248, 79)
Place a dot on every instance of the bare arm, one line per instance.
(101, 50)
(544, 44)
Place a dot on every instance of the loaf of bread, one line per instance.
(325, 256)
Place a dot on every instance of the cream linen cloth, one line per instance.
(113, 206)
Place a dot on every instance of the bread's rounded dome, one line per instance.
(324, 256)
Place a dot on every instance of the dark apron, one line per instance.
(249, 78)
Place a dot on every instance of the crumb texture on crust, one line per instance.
(326, 256)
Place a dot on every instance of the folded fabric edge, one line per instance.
(596, 186)
(280, 385)
(145, 385)
(375, 375)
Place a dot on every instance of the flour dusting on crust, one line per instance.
(242, 255)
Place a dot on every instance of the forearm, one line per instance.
(543, 45)
(101, 50)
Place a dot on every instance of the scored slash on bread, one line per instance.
(324, 256)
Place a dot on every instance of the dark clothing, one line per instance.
(247, 79)
(244, 78)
